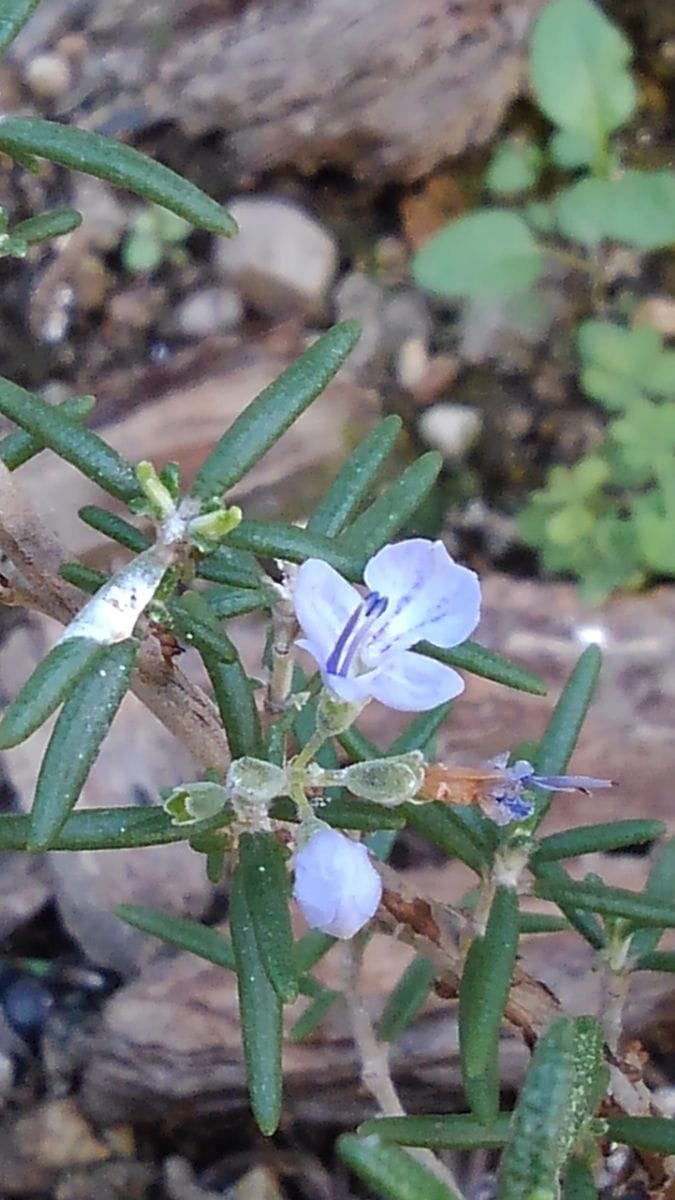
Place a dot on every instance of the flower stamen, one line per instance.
(353, 635)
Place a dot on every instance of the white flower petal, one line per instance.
(430, 597)
(324, 602)
(356, 689)
(336, 886)
(410, 682)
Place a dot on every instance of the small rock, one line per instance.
(282, 261)
(104, 218)
(208, 311)
(406, 316)
(505, 332)
(658, 311)
(124, 1180)
(48, 76)
(6, 1077)
(451, 428)
(363, 298)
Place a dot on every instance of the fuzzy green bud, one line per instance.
(211, 527)
(195, 802)
(386, 781)
(256, 781)
(334, 716)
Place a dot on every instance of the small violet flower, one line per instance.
(415, 592)
(506, 801)
(336, 886)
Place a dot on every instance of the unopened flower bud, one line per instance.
(336, 886)
(195, 802)
(387, 781)
(256, 781)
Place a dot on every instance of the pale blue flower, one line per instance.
(415, 592)
(507, 802)
(336, 886)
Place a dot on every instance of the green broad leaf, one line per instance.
(180, 932)
(54, 223)
(83, 722)
(52, 680)
(389, 1171)
(656, 1134)
(383, 519)
(536, 1151)
(88, 579)
(617, 361)
(562, 732)
(84, 449)
(142, 252)
(271, 539)
(237, 568)
(18, 447)
(197, 625)
(265, 877)
(460, 1131)
(14, 16)
(441, 824)
(578, 70)
(260, 1012)
(655, 960)
(470, 656)
(570, 150)
(356, 479)
(660, 887)
(636, 209)
(406, 1000)
(488, 254)
(121, 165)
(609, 902)
(104, 829)
(530, 922)
(593, 839)
(313, 1016)
(514, 167)
(227, 602)
(114, 527)
(578, 1183)
(483, 993)
(263, 422)
(234, 696)
(655, 536)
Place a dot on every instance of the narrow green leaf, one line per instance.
(593, 839)
(54, 223)
(349, 813)
(271, 539)
(310, 949)
(14, 16)
(529, 922)
(356, 478)
(18, 447)
(421, 730)
(237, 568)
(483, 993)
(383, 519)
(81, 150)
(439, 823)
(84, 449)
(536, 1150)
(579, 1183)
(389, 1171)
(656, 960)
(260, 1011)
(551, 873)
(236, 704)
(262, 423)
(195, 623)
(562, 732)
(460, 1131)
(660, 887)
(610, 902)
(105, 829)
(357, 745)
(52, 680)
(226, 602)
(406, 1000)
(87, 579)
(488, 665)
(314, 1014)
(656, 1134)
(180, 932)
(83, 722)
(114, 527)
(265, 876)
